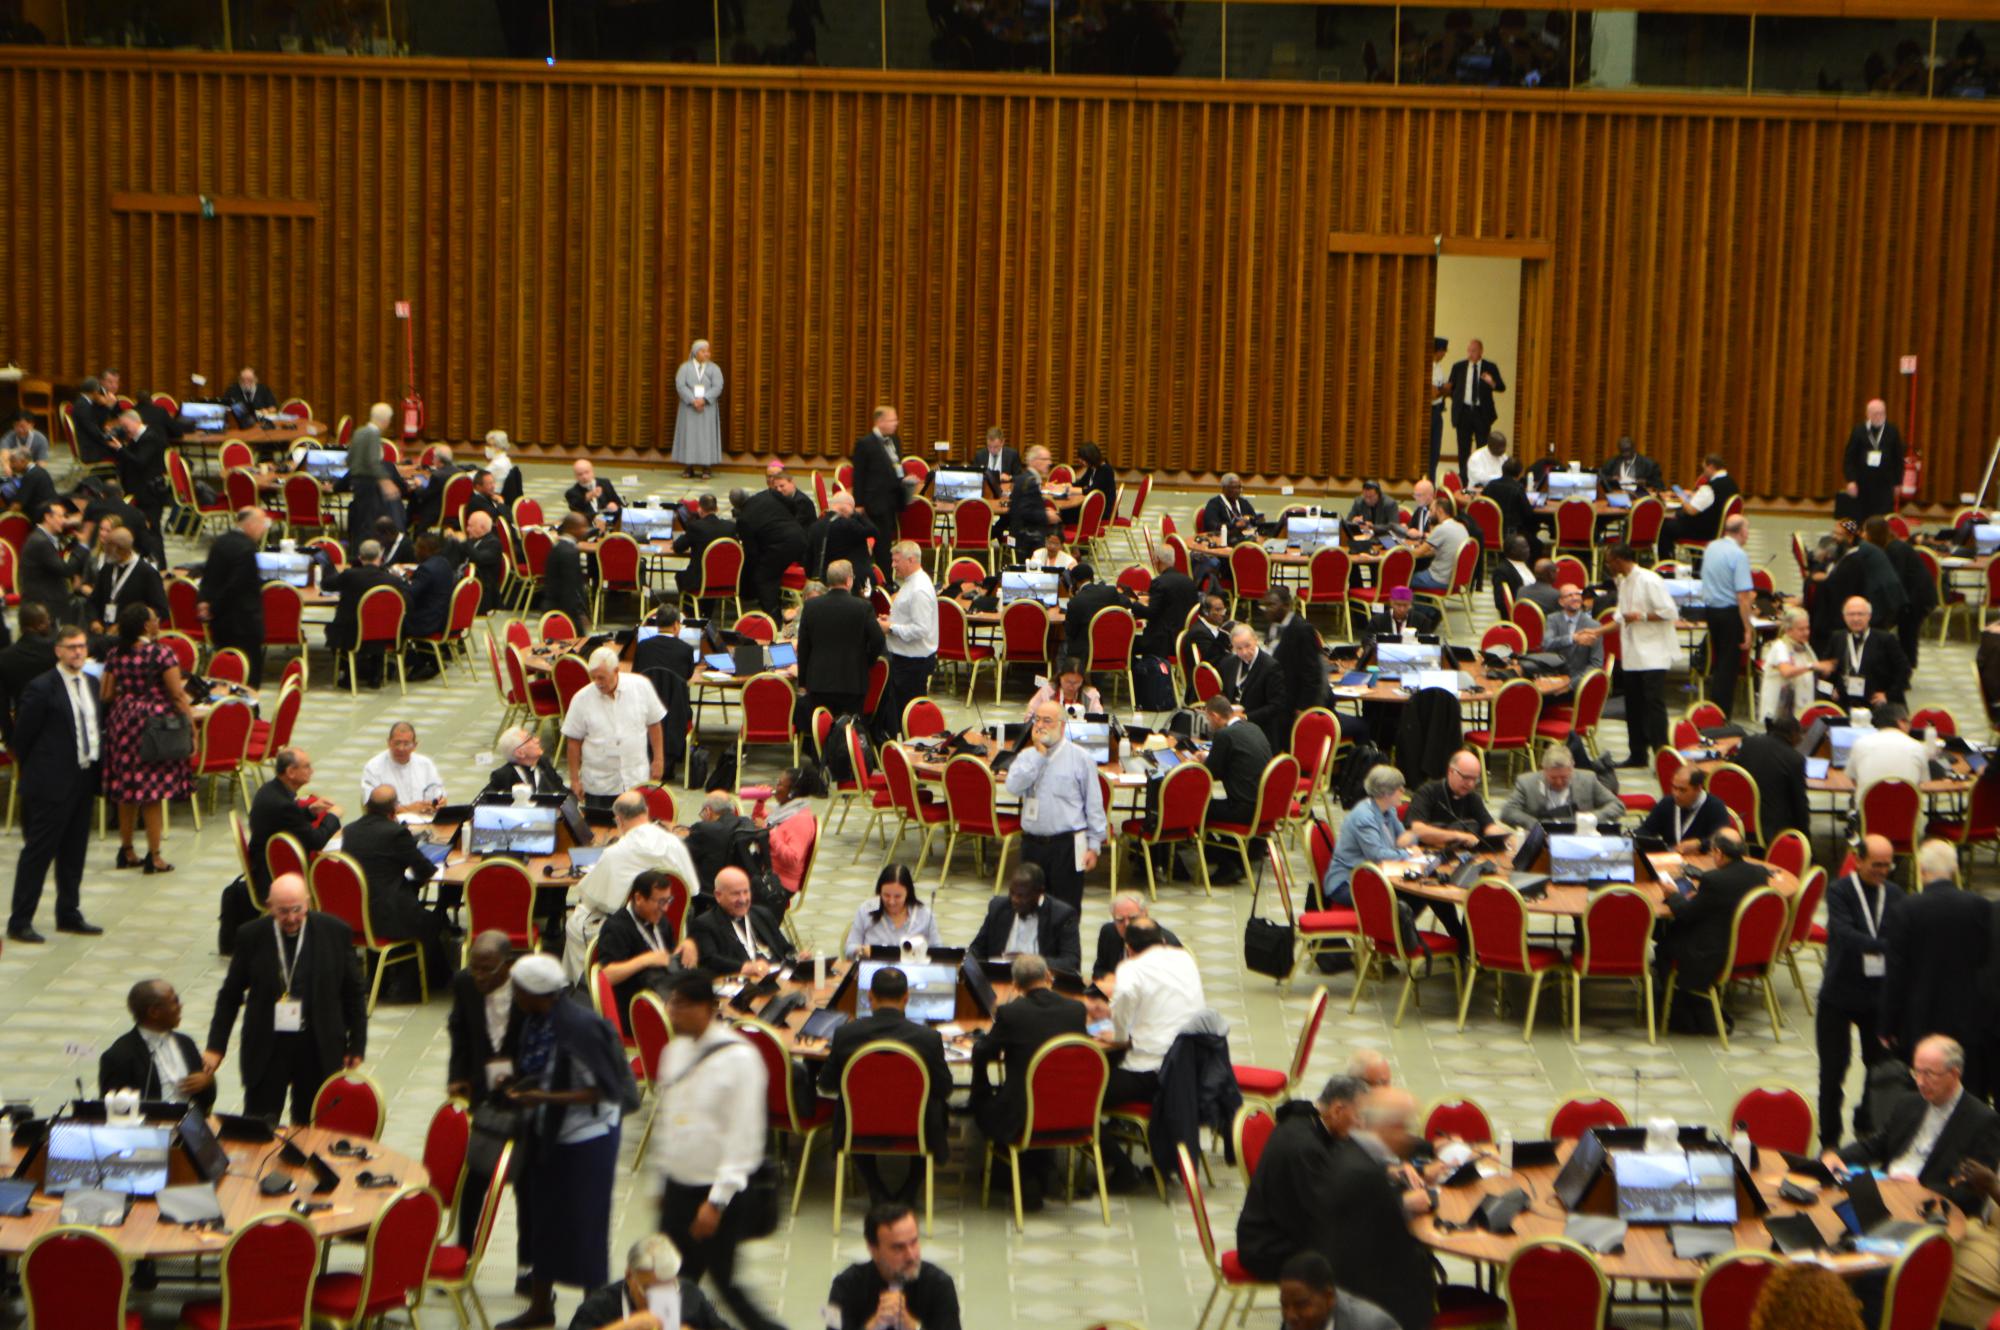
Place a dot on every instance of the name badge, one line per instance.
(288, 1016)
(1030, 805)
(1873, 965)
(1874, 457)
(701, 392)
(1857, 686)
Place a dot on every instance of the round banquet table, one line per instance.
(352, 1209)
(1648, 1253)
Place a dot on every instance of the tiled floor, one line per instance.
(61, 1003)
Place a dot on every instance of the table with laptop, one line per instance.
(1656, 1204)
(209, 425)
(1826, 744)
(1128, 757)
(162, 1180)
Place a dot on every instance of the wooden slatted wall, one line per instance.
(1143, 265)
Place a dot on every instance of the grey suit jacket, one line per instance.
(1529, 803)
(1352, 1313)
(364, 455)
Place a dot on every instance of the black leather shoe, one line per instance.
(27, 934)
(80, 927)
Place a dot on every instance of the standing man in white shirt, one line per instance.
(1647, 647)
(605, 725)
(707, 1145)
(1154, 993)
(642, 844)
(911, 632)
(415, 779)
(1888, 752)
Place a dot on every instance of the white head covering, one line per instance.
(539, 975)
(699, 343)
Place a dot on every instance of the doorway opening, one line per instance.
(1478, 298)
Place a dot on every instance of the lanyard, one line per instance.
(1870, 917)
(748, 936)
(1854, 653)
(651, 932)
(286, 966)
(123, 575)
(1680, 826)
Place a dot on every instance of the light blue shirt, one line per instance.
(870, 931)
(1063, 789)
(1725, 570)
(1367, 835)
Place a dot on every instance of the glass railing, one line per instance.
(1908, 55)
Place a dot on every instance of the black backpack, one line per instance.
(750, 850)
(1354, 768)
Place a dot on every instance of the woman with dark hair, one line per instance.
(142, 679)
(1071, 688)
(893, 916)
(793, 825)
(1097, 474)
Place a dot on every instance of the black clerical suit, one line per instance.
(1875, 485)
(1027, 514)
(838, 642)
(994, 467)
(57, 771)
(276, 808)
(1057, 940)
(695, 538)
(325, 978)
(258, 400)
(342, 634)
(427, 508)
(489, 565)
(1936, 944)
(89, 420)
(836, 539)
(1780, 773)
(878, 488)
(1085, 602)
(712, 845)
(35, 490)
(563, 584)
(664, 652)
(543, 777)
(119, 585)
(1884, 668)
(142, 474)
(1019, 1030)
(625, 938)
(471, 1049)
(387, 855)
(600, 509)
(492, 505)
(720, 949)
(1696, 942)
(1850, 991)
(1237, 756)
(43, 575)
(1473, 412)
(1645, 472)
(1259, 688)
(1228, 519)
(772, 542)
(1302, 667)
(1971, 1132)
(233, 590)
(1424, 619)
(429, 595)
(128, 1065)
(1168, 599)
(1673, 824)
(21, 663)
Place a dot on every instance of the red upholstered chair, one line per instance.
(1250, 1132)
(1112, 631)
(1981, 823)
(1207, 681)
(1395, 570)
(75, 1278)
(659, 804)
(454, 1269)
(604, 1001)
(296, 407)
(1275, 790)
(1643, 522)
(1504, 634)
(305, 504)
(447, 1141)
(1892, 808)
(971, 531)
(229, 665)
(556, 626)
(221, 740)
(917, 523)
(1918, 1282)
(1777, 1118)
(1580, 1114)
(1024, 639)
(785, 1114)
(1738, 791)
(955, 643)
(912, 805)
(1317, 928)
(1274, 1085)
(1528, 617)
(768, 700)
(1756, 936)
(1183, 807)
(1555, 1284)
(284, 617)
(885, 1092)
(379, 619)
(878, 682)
(1581, 716)
(1065, 1095)
(457, 635)
(1327, 578)
(970, 798)
(1791, 851)
(618, 569)
(1382, 936)
(1576, 528)
(1134, 579)
(1233, 1283)
(647, 1020)
(235, 455)
(721, 570)
(396, 1263)
(339, 889)
(349, 1102)
(266, 1276)
(1250, 567)
(1799, 927)
(186, 653)
(457, 490)
(282, 855)
(758, 627)
(1315, 735)
(1570, 571)
(528, 512)
(923, 719)
(1728, 1289)
(1497, 927)
(499, 894)
(1459, 1119)
(1616, 943)
(1517, 711)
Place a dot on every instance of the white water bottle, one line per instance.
(1506, 1149)
(1739, 1144)
(6, 1138)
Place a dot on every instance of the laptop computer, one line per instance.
(511, 829)
(1867, 1216)
(293, 570)
(1676, 1187)
(1593, 860)
(646, 523)
(323, 464)
(1029, 586)
(1841, 739)
(956, 485)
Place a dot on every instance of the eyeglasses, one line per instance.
(1931, 1073)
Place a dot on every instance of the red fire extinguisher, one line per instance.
(1913, 463)
(413, 401)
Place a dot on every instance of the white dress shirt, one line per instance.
(1483, 467)
(1887, 754)
(1650, 645)
(167, 1062)
(499, 1010)
(415, 781)
(711, 1125)
(1784, 651)
(608, 885)
(1703, 498)
(1911, 1162)
(1024, 939)
(913, 617)
(78, 686)
(1155, 994)
(617, 751)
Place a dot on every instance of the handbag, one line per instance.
(167, 738)
(493, 1125)
(1268, 948)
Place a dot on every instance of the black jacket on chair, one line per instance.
(471, 1046)
(1056, 936)
(1971, 1132)
(1936, 944)
(721, 951)
(352, 585)
(563, 585)
(325, 977)
(838, 641)
(1019, 1030)
(1780, 773)
(1843, 985)
(895, 1027)
(1697, 943)
(1087, 601)
(128, 1065)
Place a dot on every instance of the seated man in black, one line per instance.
(1028, 920)
(636, 945)
(395, 870)
(1111, 949)
(652, 1260)
(736, 936)
(1237, 755)
(254, 398)
(895, 1287)
(1036, 1015)
(1228, 516)
(664, 650)
(1695, 943)
(888, 995)
(1517, 515)
(591, 497)
(281, 805)
(525, 765)
(696, 536)
(1401, 616)
(1449, 812)
(1372, 511)
(712, 837)
(345, 630)
(1630, 469)
(1932, 1136)
(154, 1057)
(1689, 818)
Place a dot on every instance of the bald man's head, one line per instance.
(287, 901)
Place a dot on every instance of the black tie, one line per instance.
(1858, 642)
